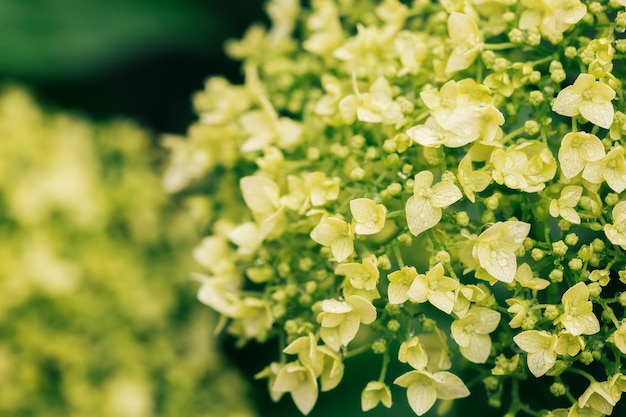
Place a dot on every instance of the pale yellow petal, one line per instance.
(363, 308)
(567, 102)
(600, 114)
(450, 386)
(421, 397)
(444, 194)
(420, 215)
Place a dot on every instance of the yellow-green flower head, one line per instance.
(419, 136)
(589, 98)
(494, 249)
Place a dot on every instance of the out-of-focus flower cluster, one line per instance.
(93, 317)
(439, 182)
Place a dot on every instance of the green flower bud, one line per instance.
(586, 357)
(559, 248)
(558, 389)
(571, 239)
(575, 264)
(556, 275)
(379, 346)
(393, 325)
(462, 218)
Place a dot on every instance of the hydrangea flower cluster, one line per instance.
(440, 182)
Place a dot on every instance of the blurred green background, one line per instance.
(137, 58)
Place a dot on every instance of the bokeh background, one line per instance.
(136, 58)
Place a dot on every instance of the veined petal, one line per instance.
(570, 214)
(349, 328)
(567, 102)
(422, 180)
(478, 349)
(363, 308)
(445, 193)
(420, 215)
(499, 263)
(450, 386)
(600, 114)
(305, 394)
(539, 363)
(421, 397)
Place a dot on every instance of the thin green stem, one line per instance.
(383, 369)
(499, 46)
(357, 351)
(581, 373)
(398, 254)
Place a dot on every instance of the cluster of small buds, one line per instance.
(454, 177)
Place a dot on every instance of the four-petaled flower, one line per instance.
(300, 382)
(362, 275)
(337, 234)
(565, 206)
(577, 150)
(611, 168)
(435, 288)
(578, 317)
(340, 320)
(413, 352)
(369, 217)
(540, 347)
(423, 388)
(471, 333)
(399, 283)
(589, 98)
(495, 248)
(467, 39)
(376, 392)
(616, 232)
(424, 207)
